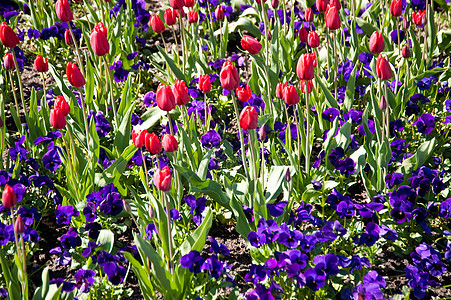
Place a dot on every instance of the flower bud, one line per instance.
(243, 94)
(7, 36)
(308, 15)
(62, 105)
(376, 42)
(309, 86)
(205, 83)
(193, 16)
(305, 68)
(290, 95)
(138, 137)
(57, 118)
(405, 23)
(127, 206)
(288, 175)
(383, 103)
(229, 77)
(251, 44)
(152, 142)
(165, 98)
(396, 8)
(189, 3)
(321, 5)
(332, 17)
(219, 13)
(156, 24)
(383, 69)
(63, 11)
(170, 16)
(41, 64)
(405, 51)
(68, 38)
(169, 143)
(8, 62)
(19, 226)
(176, 4)
(180, 92)
(99, 40)
(162, 179)
(249, 118)
(303, 35)
(9, 198)
(279, 89)
(74, 75)
(313, 39)
(262, 133)
(275, 3)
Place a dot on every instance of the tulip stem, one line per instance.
(164, 43)
(178, 183)
(111, 92)
(77, 52)
(307, 134)
(335, 66)
(387, 111)
(23, 260)
(19, 79)
(182, 40)
(85, 117)
(19, 126)
(268, 89)
(425, 54)
(240, 131)
(15, 232)
(207, 114)
(254, 160)
(327, 47)
(288, 129)
(70, 161)
(285, 26)
(176, 46)
(145, 168)
(298, 129)
(168, 219)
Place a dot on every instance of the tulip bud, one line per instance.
(170, 16)
(99, 40)
(243, 94)
(180, 92)
(305, 68)
(162, 179)
(279, 89)
(332, 18)
(205, 83)
(74, 75)
(193, 16)
(229, 77)
(7, 36)
(290, 95)
(303, 35)
(152, 143)
(57, 119)
(383, 69)
(62, 105)
(169, 143)
(275, 3)
(308, 15)
(8, 62)
(249, 118)
(262, 133)
(127, 206)
(152, 213)
(156, 24)
(309, 86)
(165, 98)
(68, 37)
(376, 43)
(313, 39)
(405, 24)
(189, 3)
(383, 103)
(63, 11)
(405, 51)
(138, 137)
(9, 198)
(251, 44)
(418, 17)
(176, 4)
(424, 19)
(335, 3)
(321, 5)
(41, 64)
(396, 8)
(288, 175)
(19, 226)
(219, 13)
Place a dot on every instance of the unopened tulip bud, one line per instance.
(424, 20)
(19, 226)
(383, 103)
(9, 198)
(288, 175)
(151, 212)
(309, 15)
(405, 51)
(262, 133)
(275, 3)
(8, 62)
(405, 24)
(127, 206)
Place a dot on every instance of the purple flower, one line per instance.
(210, 139)
(197, 207)
(150, 99)
(345, 209)
(70, 239)
(115, 272)
(289, 238)
(192, 261)
(64, 214)
(314, 279)
(277, 210)
(330, 114)
(218, 248)
(29, 215)
(425, 123)
(84, 280)
(213, 266)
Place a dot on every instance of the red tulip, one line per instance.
(262, 133)
(396, 8)
(335, 3)
(63, 11)
(8, 62)
(57, 118)
(74, 75)
(303, 35)
(193, 16)
(260, 2)
(176, 4)
(99, 40)
(41, 64)
(189, 3)
(229, 77)
(309, 86)
(205, 83)
(152, 143)
(169, 143)
(7, 36)
(170, 16)
(313, 39)
(251, 44)
(165, 98)
(243, 94)
(219, 13)
(9, 198)
(279, 89)
(180, 92)
(383, 69)
(377, 42)
(156, 24)
(68, 37)
(275, 3)
(19, 226)
(62, 105)
(405, 24)
(405, 51)
(249, 118)
(138, 137)
(162, 179)
(290, 95)
(418, 17)
(321, 5)
(308, 14)
(332, 18)
(305, 68)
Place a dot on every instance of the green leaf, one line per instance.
(196, 240)
(203, 166)
(350, 90)
(177, 72)
(275, 179)
(330, 100)
(106, 240)
(419, 158)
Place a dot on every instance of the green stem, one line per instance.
(77, 52)
(168, 219)
(336, 64)
(85, 116)
(145, 168)
(19, 126)
(254, 160)
(288, 130)
(240, 131)
(387, 114)
(19, 79)
(207, 113)
(307, 134)
(111, 92)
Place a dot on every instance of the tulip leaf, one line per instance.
(177, 72)
(106, 240)
(330, 100)
(196, 240)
